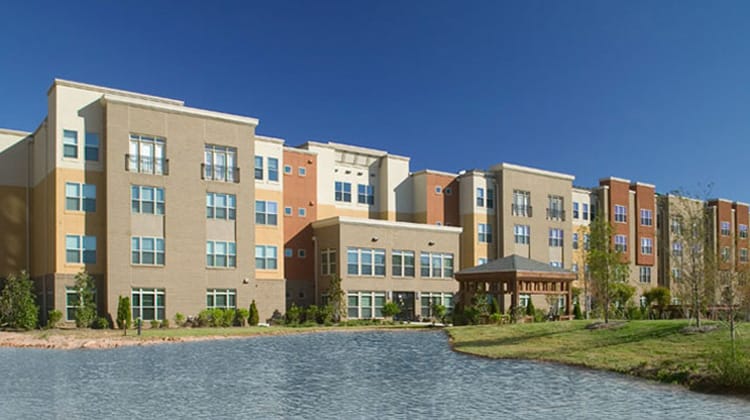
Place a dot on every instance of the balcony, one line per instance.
(146, 165)
(520, 210)
(555, 214)
(220, 173)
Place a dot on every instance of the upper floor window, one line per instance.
(435, 264)
(677, 249)
(92, 147)
(148, 200)
(725, 256)
(522, 234)
(575, 241)
(725, 229)
(365, 261)
(258, 167)
(593, 212)
(438, 189)
(743, 255)
(147, 251)
(266, 212)
(220, 164)
(70, 144)
(403, 263)
(743, 231)
(221, 254)
(328, 261)
(80, 197)
(645, 274)
(343, 191)
(676, 225)
(287, 170)
(620, 214)
(555, 210)
(575, 210)
(366, 194)
(521, 203)
(556, 237)
(647, 217)
(147, 155)
(647, 246)
(481, 261)
(485, 233)
(490, 198)
(302, 171)
(221, 298)
(586, 241)
(221, 206)
(273, 169)
(80, 249)
(266, 257)
(621, 243)
(586, 212)
(480, 197)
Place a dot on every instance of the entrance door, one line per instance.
(405, 301)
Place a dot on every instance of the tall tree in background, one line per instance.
(337, 299)
(606, 264)
(17, 305)
(86, 310)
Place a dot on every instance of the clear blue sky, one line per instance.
(655, 91)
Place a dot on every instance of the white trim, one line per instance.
(332, 221)
(434, 172)
(643, 184)
(179, 109)
(612, 178)
(535, 171)
(269, 139)
(118, 92)
(14, 132)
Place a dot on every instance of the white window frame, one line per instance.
(399, 266)
(342, 191)
(522, 234)
(621, 243)
(91, 147)
(137, 249)
(359, 311)
(725, 228)
(484, 233)
(82, 199)
(647, 246)
(266, 213)
(221, 254)
(70, 143)
(220, 163)
(480, 197)
(266, 257)
(438, 265)
(328, 261)
(228, 295)
(621, 214)
(214, 210)
(154, 162)
(645, 274)
(138, 202)
(556, 237)
(80, 249)
(366, 194)
(366, 262)
(647, 217)
(137, 311)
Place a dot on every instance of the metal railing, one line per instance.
(146, 165)
(520, 210)
(220, 173)
(556, 214)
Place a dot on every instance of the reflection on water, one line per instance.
(330, 375)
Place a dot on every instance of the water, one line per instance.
(332, 375)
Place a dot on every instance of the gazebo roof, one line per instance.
(514, 263)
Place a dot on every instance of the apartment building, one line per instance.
(584, 212)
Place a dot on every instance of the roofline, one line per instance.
(109, 98)
(644, 184)
(298, 150)
(710, 200)
(614, 178)
(535, 171)
(110, 91)
(741, 203)
(332, 221)
(269, 139)
(14, 132)
(434, 172)
(477, 172)
(354, 149)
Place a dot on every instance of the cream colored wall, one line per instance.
(398, 190)
(272, 149)
(79, 110)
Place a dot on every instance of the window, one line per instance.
(523, 300)
(676, 225)
(743, 255)
(485, 233)
(676, 274)
(586, 212)
(647, 217)
(287, 211)
(448, 191)
(645, 276)
(80, 249)
(147, 251)
(620, 214)
(288, 252)
(220, 164)
(302, 212)
(259, 167)
(480, 197)
(70, 144)
(302, 171)
(586, 241)
(725, 256)
(556, 264)
(221, 254)
(343, 191)
(574, 268)
(148, 304)
(575, 210)
(146, 155)
(287, 170)
(555, 237)
(221, 206)
(301, 253)
(92, 147)
(593, 212)
(147, 200)
(743, 231)
(621, 243)
(481, 261)
(575, 240)
(521, 203)
(522, 234)
(429, 299)
(436, 265)
(402, 263)
(72, 302)
(490, 198)
(365, 305)
(221, 298)
(555, 211)
(328, 262)
(438, 189)
(677, 249)
(366, 194)
(80, 197)
(724, 228)
(266, 212)
(266, 257)
(273, 169)
(647, 246)
(365, 261)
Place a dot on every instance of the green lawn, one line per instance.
(652, 349)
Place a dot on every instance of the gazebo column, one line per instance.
(514, 294)
(500, 296)
(569, 300)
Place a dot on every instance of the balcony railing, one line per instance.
(520, 210)
(146, 165)
(220, 173)
(556, 214)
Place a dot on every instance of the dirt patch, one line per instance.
(605, 326)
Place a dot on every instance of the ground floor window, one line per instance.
(523, 300)
(365, 305)
(72, 302)
(429, 299)
(221, 298)
(148, 304)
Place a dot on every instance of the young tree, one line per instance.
(17, 306)
(86, 310)
(606, 263)
(438, 311)
(253, 317)
(391, 309)
(337, 298)
(124, 317)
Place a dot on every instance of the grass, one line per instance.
(651, 349)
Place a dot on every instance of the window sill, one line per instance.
(221, 268)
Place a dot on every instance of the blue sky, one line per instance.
(651, 91)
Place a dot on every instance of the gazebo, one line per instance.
(515, 275)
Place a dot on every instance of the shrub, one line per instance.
(165, 323)
(311, 314)
(53, 318)
(391, 309)
(179, 319)
(325, 315)
(496, 318)
(438, 312)
(253, 318)
(155, 323)
(494, 306)
(539, 315)
(227, 318)
(577, 311)
(732, 368)
(530, 310)
(86, 310)
(293, 315)
(124, 316)
(17, 304)
(203, 319)
(240, 317)
(100, 323)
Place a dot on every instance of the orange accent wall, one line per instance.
(619, 194)
(300, 192)
(443, 207)
(644, 199)
(740, 218)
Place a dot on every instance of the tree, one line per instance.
(124, 317)
(438, 311)
(17, 305)
(336, 298)
(86, 310)
(530, 309)
(391, 309)
(660, 296)
(253, 317)
(606, 263)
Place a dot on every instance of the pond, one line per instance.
(348, 375)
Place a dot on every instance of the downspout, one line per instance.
(315, 267)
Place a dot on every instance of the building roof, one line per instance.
(513, 263)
